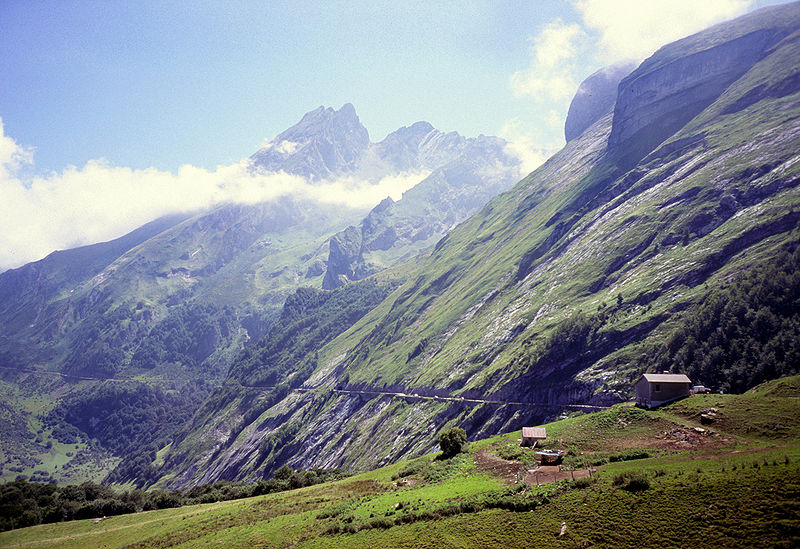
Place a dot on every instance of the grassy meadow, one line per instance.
(660, 478)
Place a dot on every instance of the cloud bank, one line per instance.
(632, 29)
(100, 202)
(550, 75)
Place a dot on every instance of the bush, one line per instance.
(629, 455)
(584, 482)
(452, 441)
(412, 468)
(632, 481)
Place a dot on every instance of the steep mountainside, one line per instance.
(100, 310)
(34, 294)
(172, 303)
(603, 263)
(464, 174)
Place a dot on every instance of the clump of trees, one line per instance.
(108, 342)
(743, 333)
(452, 442)
(24, 503)
(309, 319)
(131, 419)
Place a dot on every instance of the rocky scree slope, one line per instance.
(564, 288)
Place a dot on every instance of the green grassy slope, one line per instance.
(734, 484)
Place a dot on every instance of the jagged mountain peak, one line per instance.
(328, 143)
(324, 143)
(323, 118)
(415, 132)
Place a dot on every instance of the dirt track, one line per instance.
(498, 467)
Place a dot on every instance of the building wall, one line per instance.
(668, 391)
(530, 441)
(653, 393)
(642, 392)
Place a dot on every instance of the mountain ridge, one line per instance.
(170, 305)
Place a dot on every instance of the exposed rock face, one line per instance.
(478, 170)
(324, 143)
(402, 147)
(345, 248)
(594, 98)
(681, 79)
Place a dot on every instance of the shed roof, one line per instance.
(665, 378)
(534, 432)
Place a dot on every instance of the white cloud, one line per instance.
(99, 201)
(550, 76)
(633, 29)
(284, 147)
(12, 155)
(287, 147)
(550, 81)
(530, 151)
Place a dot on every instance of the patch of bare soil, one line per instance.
(406, 482)
(498, 467)
(553, 473)
(689, 438)
(512, 471)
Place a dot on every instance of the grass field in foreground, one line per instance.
(738, 486)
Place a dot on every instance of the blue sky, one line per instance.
(145, 88)
(167, 83)
(164, 83)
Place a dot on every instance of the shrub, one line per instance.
(452, 441)
(629, 455)
(412, 468)
(632, 481)
(584, 482)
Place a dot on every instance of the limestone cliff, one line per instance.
(681, 79)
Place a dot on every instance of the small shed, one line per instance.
(656, 389)
(530, 435)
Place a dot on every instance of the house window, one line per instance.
(658, 387)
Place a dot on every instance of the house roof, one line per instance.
(665, 378)
(534, 432)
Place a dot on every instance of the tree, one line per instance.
(452, 441)
(284, 473)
